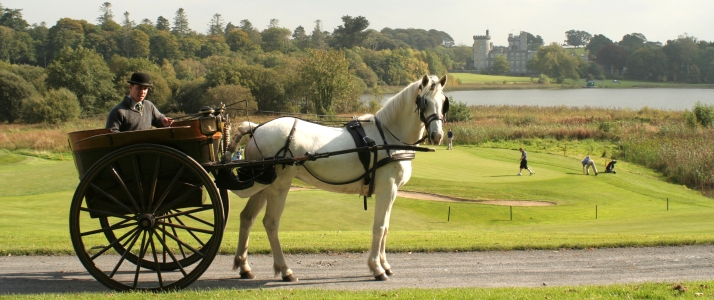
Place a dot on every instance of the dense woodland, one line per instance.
(78, 68)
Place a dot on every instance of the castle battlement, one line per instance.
(482, 37)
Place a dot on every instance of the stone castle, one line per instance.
(516, 53)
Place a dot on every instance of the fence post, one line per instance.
(511, 206)
(448, 218)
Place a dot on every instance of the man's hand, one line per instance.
(167, 122)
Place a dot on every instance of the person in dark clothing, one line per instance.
(610, 168)
(450, 135)
(135, 113)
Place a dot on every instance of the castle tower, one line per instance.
(482, 46)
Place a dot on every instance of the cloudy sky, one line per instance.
(658, 20)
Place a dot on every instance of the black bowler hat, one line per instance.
(140, 78)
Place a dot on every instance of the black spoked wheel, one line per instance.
(146, 217)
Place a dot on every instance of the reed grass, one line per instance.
(658, 139)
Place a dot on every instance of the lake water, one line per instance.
(659, 98)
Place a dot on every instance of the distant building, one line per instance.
(516, 53)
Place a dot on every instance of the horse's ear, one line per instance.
(442, 81)
(425, 81)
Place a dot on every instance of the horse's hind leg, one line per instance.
(276, 194)
(247, 219)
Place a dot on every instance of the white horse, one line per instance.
(403, 118)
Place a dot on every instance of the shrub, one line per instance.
(458, 111)
(13, 92)
(57, 106)
(543, 79)
(704, 114)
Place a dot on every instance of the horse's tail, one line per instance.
(240, 131)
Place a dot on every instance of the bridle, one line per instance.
(421, 109)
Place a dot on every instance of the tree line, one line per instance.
(77, 68)
(276, 69)
(685, 59)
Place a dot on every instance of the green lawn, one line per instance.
(631, 208)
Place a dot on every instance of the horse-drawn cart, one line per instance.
(147, 213)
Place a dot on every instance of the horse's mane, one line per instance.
(389, 112)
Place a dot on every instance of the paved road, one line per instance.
(59, 274)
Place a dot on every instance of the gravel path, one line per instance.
(61, 274)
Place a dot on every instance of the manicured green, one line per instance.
(631, 208)
(661, 290)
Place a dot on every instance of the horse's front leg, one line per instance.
(247, 219)
(276, 194)
(377, 260)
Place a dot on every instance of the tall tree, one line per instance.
(215, 27)
(239, 41)
(127, 30)
(351, 34)
(500, 65)
(40, 34)
(162, 24)
(612, 57)
(317, 38)
(597, 42)
(681, 54)
(276, 39)
(326, 79)
(66, 33)
(107, 14)
(85, 73)
(632, 41)
(253, 33)
(181, 23)
(12, 18)
(552, 60)
(577, 38)
(648, 62)
(300, 39)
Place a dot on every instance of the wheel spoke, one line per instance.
(137, 177)
(135, 237)
(116, 226)
(183, 254)
(106, 213)
(112, 244)
(184, 196)
(194, 217)
(171, 254)
(183, 243)
(142, 251)
(156, 260)
(168, 189)
(112, 198)
(126, 189)
(154, 181)
(181, 213)
(190, 232)
(189, 229)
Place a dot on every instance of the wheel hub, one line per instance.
(147, 221)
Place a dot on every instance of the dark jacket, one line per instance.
(124, 117)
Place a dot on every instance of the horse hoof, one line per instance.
(290, 278)
(247, 275)
(381, 277)
(389, 272)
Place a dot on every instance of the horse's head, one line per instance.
(432, 106)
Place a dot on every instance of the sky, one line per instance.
(658, 20)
